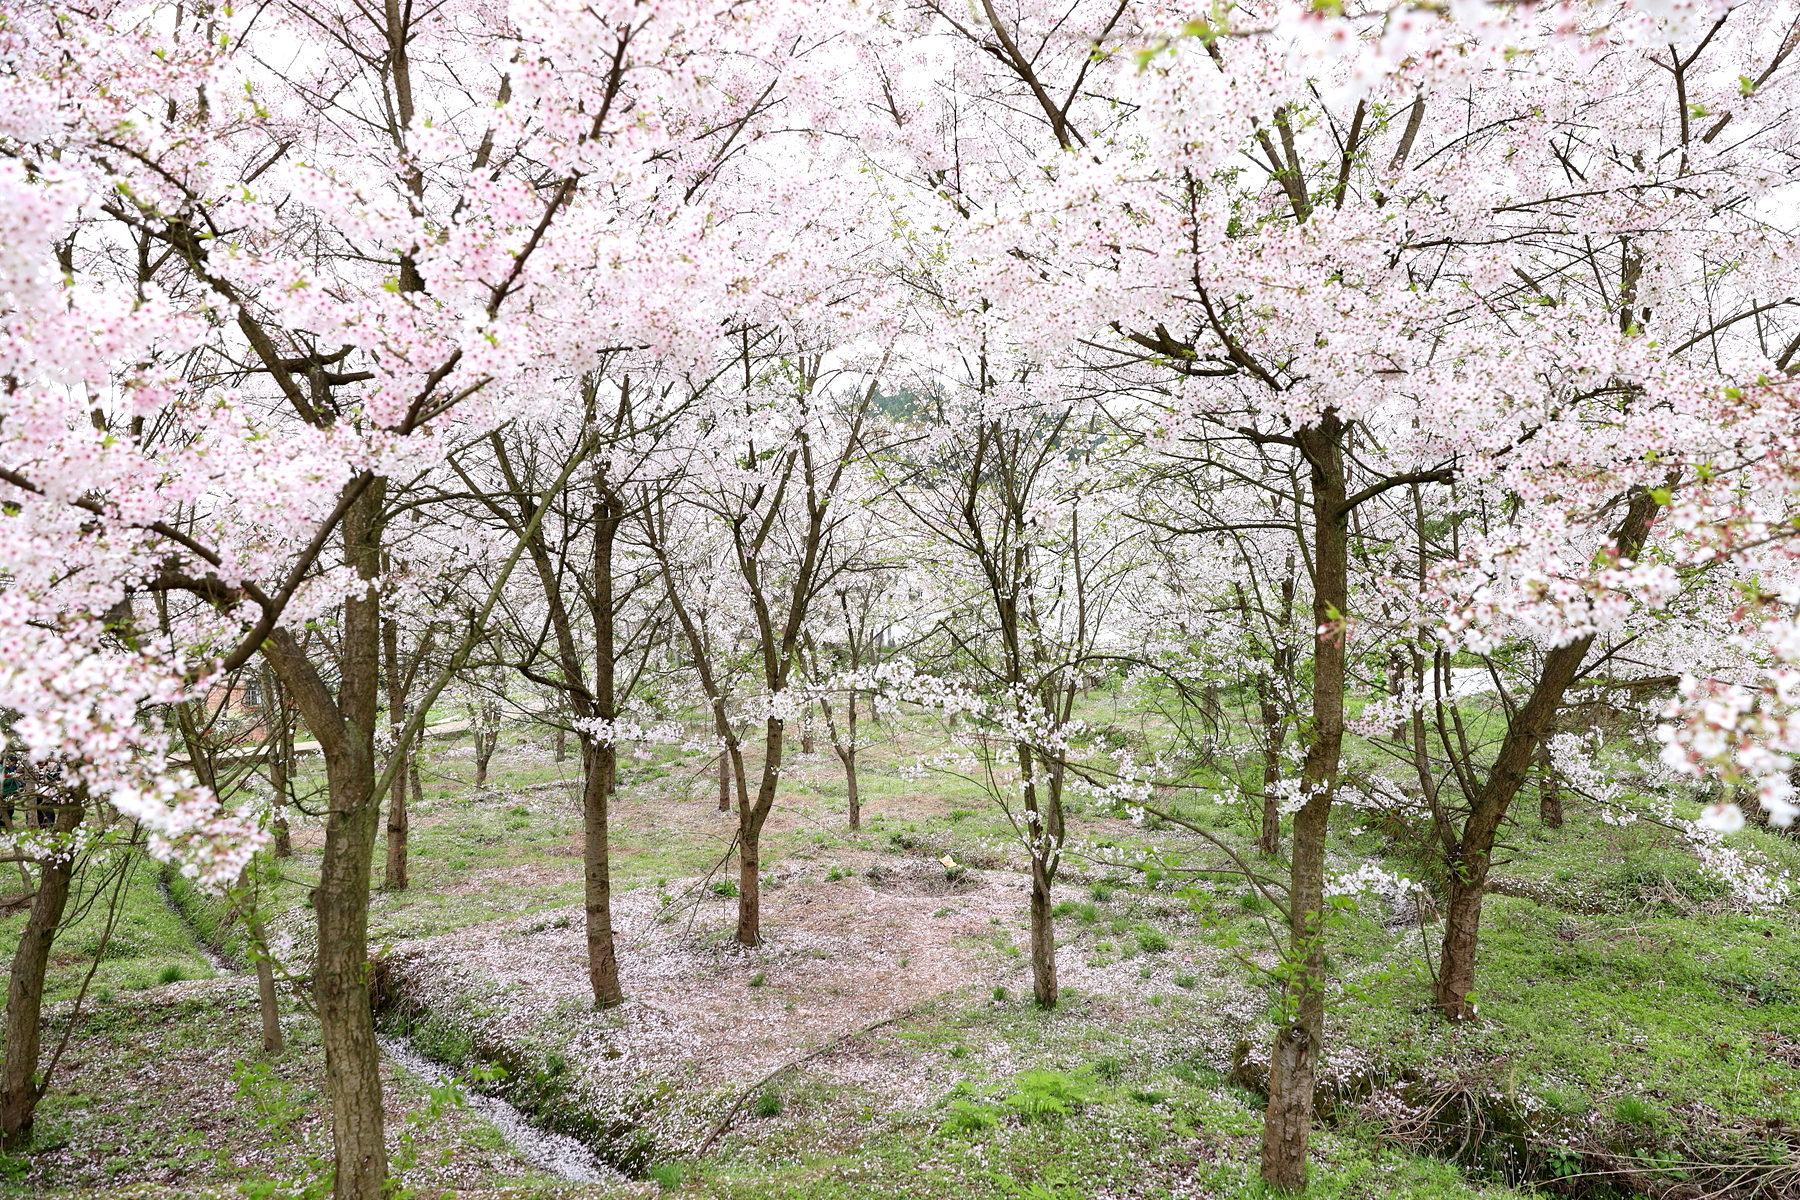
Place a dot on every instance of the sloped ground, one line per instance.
(705, 1018)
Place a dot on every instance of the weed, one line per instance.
(999, 993)
(758, 979)
(968, 1118)
(1187, 981)
(1635, 1110)
(725, 887)
(1565, 1103)
(768, 1104)
(272, 1097)
(1151, 941)
(1101, 892)
(1047, 1097)
(959, 814)
(667, 1176)
(172, 974)
(1084, 912)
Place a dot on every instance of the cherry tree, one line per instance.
(758, 530)
(1351, 242)
(325, 243)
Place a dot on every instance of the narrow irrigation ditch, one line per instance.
(548, 1149)
(538, 1103)
(534, 1092)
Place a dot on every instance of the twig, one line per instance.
(700, 888)
(833, 1044)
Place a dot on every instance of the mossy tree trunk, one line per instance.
(20, 1086)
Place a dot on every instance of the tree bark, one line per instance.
(485, 742)
(1470, 857)
(1268, 842)
(600, 765)
(846, 751)
(751, 818)
(1044, 816)
(1550, 801)
(850, 786)
(278, 742)
(265, 983)
(393, 874)
(1294, 1057)
(345, 727)
(20, 1087)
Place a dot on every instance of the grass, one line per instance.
(1627, 996)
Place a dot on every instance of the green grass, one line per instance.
(1627, 995)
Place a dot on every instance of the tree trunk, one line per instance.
(278, 778)
(20, 1088)
(749, 927)
(724, 780)
(484, 753)
(1472, 855)
(848, 754)
(1550, 801)
(265, 983)
(1294, 1057)
(345, 727)
(599, 763)
(750, 825)
(1043, 938)
(393, 874)
(600, 766)
(1045, 823)
(278, 747)
(562, 744)
(341, 987)
(1274, 735)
